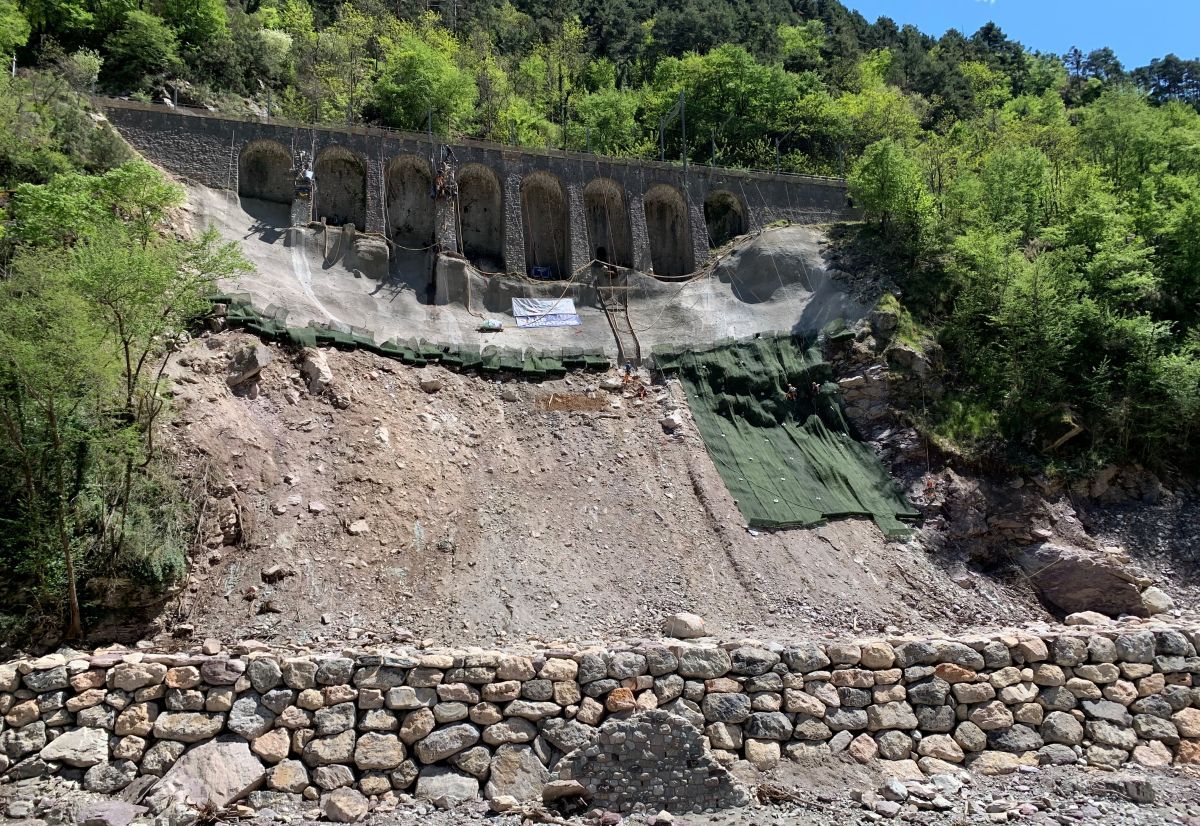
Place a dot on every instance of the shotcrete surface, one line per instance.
(776, 281)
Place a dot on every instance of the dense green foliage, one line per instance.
(94, 293)
(1052, 251)
(805, 84)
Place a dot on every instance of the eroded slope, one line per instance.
(487, 511)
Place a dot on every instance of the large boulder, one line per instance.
(1071, 579)
(344, 806)
(371, 257)
(248, 364)
(517, 772)
(314, 367)
(110, 778)
(220, 771)
(108, 813)
(446, 742)
(683, 626)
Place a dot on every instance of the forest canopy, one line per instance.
(811, 82)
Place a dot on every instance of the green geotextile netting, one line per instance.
(789, 463)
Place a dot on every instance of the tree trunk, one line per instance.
(75, 620)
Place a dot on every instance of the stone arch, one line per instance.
(265, 172)
(481, 217)
(340, 178)
(724, 216)
(547, 224)
(410, 218)
(669, 230)
(607, 216)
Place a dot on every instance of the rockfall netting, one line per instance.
(789, 462)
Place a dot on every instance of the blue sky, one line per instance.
(1136, 31)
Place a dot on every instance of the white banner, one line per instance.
(545, 312)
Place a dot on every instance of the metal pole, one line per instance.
(683, 126)
(662, 145)
(350, 104)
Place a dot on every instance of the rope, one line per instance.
(469, 310)
(458, 239)
(384, 191)
(392, 243)
(623, 301)
(229, 174)
(807, 280)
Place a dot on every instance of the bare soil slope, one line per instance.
(488, 512)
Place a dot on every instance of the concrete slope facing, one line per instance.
(774, 281)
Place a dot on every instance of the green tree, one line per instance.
(420, 74)
(196, 21)
(800, 46)
(142, 52)
(140, 196)
(14, 28)
(54, 366)
(62, 18)
(607, 121)
(888, 184)
(1180, 248)
(1015, 193)
(1124, 135)
(57, 213)
(730, 99)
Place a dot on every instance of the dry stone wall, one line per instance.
(654, 722)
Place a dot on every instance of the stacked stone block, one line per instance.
(654, 759)
(471, 723)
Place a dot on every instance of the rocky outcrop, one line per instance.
(370, 257)
(1073, 579)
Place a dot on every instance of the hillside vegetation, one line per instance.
(94, 292)
(1037, 213)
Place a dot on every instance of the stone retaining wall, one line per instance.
(474, 723)
(206, 148)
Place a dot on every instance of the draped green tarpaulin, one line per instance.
(788, 462)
